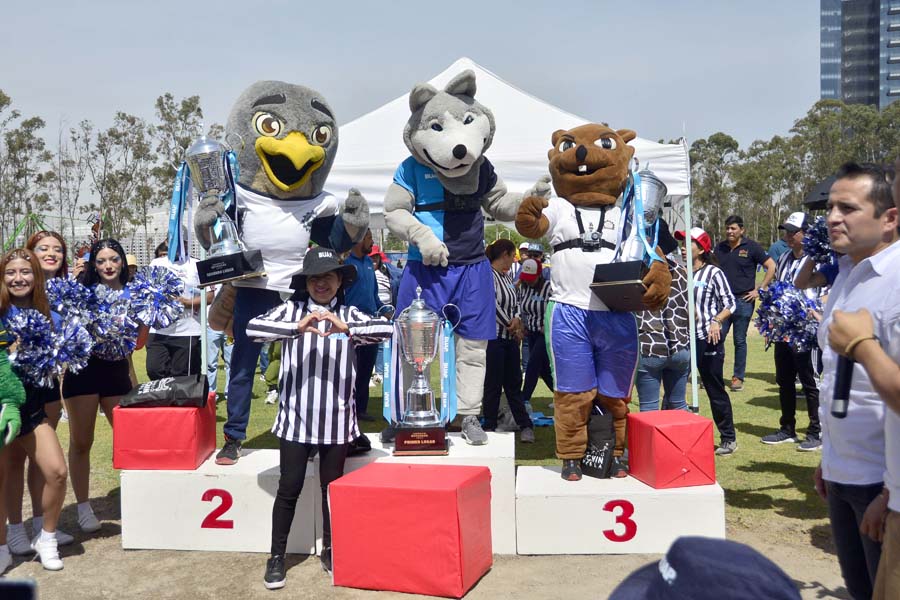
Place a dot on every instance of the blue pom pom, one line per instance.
(111, 325)
(785, 314)
(72, 345)
(34, 359)
(69, 298)
(816, 243)
(154, 297)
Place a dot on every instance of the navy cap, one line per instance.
(697, 568)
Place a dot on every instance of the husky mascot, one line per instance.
(435, 203)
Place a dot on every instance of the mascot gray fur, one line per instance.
(435, 203)
(289, 138)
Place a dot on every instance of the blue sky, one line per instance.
(658, 67)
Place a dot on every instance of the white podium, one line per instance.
(499, 455)
(226, 508)
(609, 516)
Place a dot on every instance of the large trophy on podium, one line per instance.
(228, 259)
(619, 283)
(421, 428)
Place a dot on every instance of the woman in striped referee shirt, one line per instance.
(315, 388)
(713, 303)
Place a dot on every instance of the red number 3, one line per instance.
(623, 518)
(212, 520)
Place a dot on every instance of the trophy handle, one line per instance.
(231, 145)
(452, 309)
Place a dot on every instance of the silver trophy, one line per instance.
(228, 258)
(653, 192)
(419, 327)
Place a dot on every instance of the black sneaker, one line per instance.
(571, 469)
(779, 437)
(325, 559)
(230, 452)
(387, 436)
(810, 444)
(618, 468)
(274, 579)
(358, 446)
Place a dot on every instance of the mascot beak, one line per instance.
(289, 162)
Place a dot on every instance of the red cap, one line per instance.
(376, 251)
(698, 235)
(531, 270)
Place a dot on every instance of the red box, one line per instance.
(421, 529)
(671, 448)
(163, 438)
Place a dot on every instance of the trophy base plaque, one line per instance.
(421, 441)
(230, 267)
(619, 285)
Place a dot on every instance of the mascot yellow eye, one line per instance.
(606, 143)
(321, 135)
(566, 145)
(267, 125)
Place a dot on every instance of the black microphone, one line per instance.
(841, 397)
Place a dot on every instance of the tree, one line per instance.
(23, 175)
(711, 160)
(120, 163)
(70, 168)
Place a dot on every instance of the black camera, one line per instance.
(590, 241)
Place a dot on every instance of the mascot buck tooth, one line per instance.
(289, 140)
(594, 350)
(435, 204)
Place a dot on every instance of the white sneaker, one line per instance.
(5, 559)
(88, 522)
(272, 397)
(17, 539)
(62, 538)
(64, 417)
(47, 553)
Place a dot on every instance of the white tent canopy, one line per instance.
(371, 147)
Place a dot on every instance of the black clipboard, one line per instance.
(618, 285)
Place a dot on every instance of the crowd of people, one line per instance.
(350, 302)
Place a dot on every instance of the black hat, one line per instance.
(319, 261)
(698, 568)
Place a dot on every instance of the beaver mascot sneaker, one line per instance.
(594, 351)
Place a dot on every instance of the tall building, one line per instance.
(860, 51)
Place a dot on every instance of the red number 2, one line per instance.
(212, 520)
(623, 518)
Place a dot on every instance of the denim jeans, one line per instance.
(217, 341)
(740, 322)
(857, 554)
(538, 364)
(671, 373)
(249, 303)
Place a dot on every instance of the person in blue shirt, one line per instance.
(777, 249)
(363, 294)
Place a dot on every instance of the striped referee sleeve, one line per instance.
(278, 323)
(723, 291)
(366, 329)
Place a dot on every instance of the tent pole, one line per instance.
(689, 267)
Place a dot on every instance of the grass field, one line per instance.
(765, 486)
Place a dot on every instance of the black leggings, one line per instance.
(294, 456)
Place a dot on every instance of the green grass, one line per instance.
(765, 486)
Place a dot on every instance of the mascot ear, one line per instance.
(420, 95)
(556, 135)
(462, 85)
(627, 134)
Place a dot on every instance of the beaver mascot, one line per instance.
(594, 350)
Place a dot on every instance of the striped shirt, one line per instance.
(507, 304)
(533, 303)
(318, 374)
(713, 295)
(787, 269)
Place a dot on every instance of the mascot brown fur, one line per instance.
(589, 168)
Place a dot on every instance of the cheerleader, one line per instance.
(22, 287)
(101, 383)
(49, 248)
(316, 408)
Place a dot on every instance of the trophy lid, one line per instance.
(418, 311)
(205, 145)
